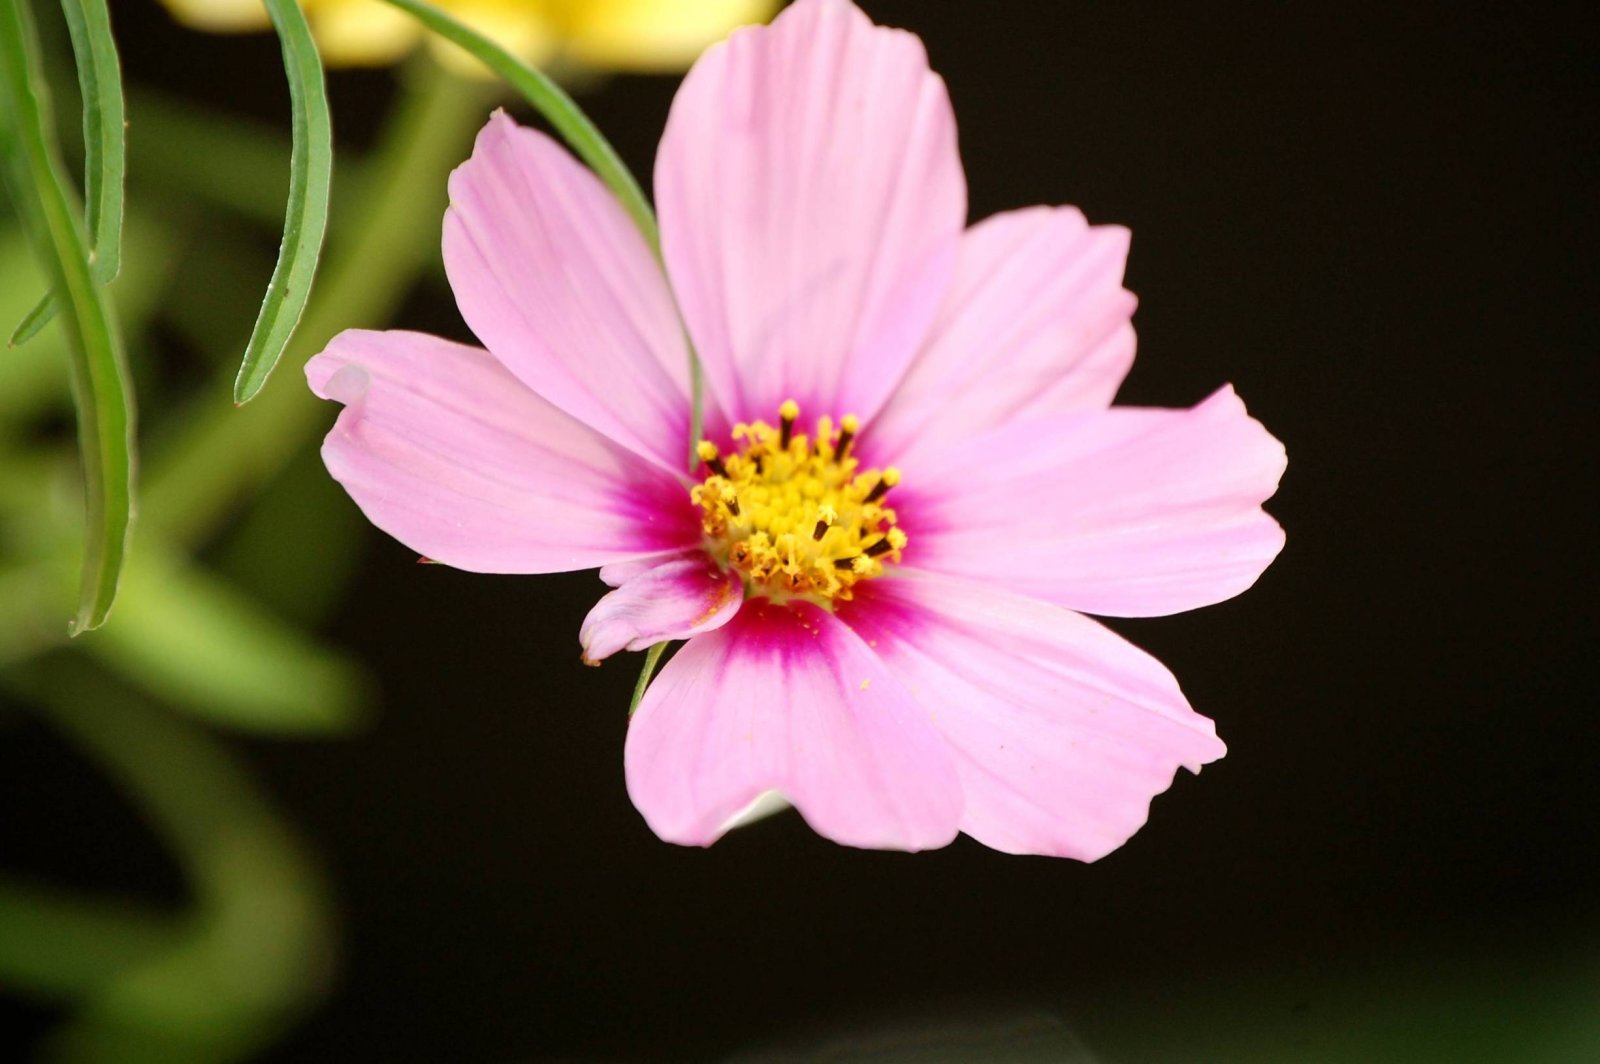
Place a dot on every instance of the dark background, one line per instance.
(1378, 224)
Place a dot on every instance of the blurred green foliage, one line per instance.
(210, 623)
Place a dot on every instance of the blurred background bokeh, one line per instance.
(305, 800)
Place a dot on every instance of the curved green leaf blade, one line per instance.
(42, 314)
(104, 148)
(104, 130)
(306, 219)
(33, 175)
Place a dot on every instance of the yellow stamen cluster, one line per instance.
(794, 513)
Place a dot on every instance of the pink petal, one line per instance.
(1127, 512)
(787, 699)
(811, 202)
(553, 277)
(618, 573)
(445, 450)
(1036, 323)
(1062, 731)
(681, 598)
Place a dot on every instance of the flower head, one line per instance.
(646, 35)
(911, 478)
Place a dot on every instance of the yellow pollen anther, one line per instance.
(889, 479)
(793, 512)
(708, 454)
(849, 425)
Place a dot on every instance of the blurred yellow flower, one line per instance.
(639, 35)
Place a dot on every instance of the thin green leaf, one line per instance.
(306, 219)
(568, 119)
(33, 175)
(104, 128)
(104, 152)
(42, 314)
(651, 658)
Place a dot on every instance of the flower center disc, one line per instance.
(794, 513)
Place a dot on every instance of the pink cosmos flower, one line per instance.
(911, 478)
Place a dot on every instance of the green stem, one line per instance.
(219, 454)
(651, 657)
(697, 390)
(555, 105)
